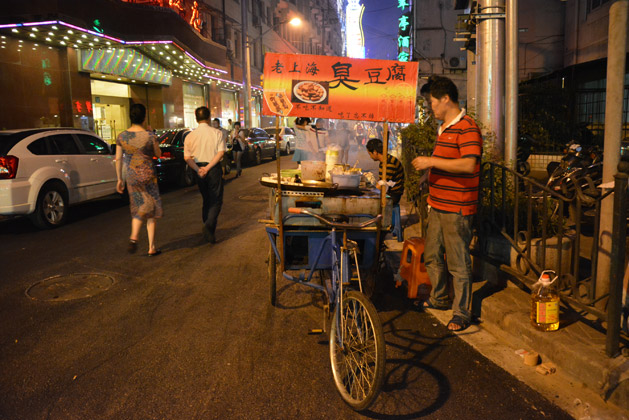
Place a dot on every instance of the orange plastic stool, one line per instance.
(413, 270)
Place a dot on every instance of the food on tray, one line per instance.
(311, 92)
(344, 170)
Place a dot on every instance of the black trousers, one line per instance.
(211, 188)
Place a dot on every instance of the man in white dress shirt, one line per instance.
(203, 150)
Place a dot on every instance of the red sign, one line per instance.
(339, 88)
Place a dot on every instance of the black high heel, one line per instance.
(133, 246)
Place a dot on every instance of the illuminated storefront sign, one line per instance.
(405, 30)
(355, 40)
(124, 62)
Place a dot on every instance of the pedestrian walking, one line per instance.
(341, 137)
(135, 149)
(203, 150)
(395, 170)
(238, 146)
(216, 123)
(453, 197)
(301, 139)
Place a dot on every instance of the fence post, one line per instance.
(619, 236)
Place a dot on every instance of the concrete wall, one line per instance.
(586, 32)
(541, 37)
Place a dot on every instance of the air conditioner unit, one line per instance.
(456, 62)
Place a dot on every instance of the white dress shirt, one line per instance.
(203, 143)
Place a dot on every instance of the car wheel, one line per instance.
(187, 177)
(287, 149)
(51, 209)
(258, 157)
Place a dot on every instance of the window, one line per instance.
(237, 45)
(63, 144)
(92, 145)
(39, 147)
(594, 4)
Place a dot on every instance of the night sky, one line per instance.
(380, 22)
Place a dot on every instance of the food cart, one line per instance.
(315, 226)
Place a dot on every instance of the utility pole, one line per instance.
(616, 55)
(245, 67)
(511, 86)
(490, 69)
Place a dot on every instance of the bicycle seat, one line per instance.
(336, 218)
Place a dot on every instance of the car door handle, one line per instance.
(61, 161)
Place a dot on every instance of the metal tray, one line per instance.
(305, 186)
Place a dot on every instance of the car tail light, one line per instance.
(8, 167)
(165, 156)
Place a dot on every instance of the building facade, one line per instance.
(76, 63)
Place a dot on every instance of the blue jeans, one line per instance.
(449, 233)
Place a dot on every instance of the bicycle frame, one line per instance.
(340, 265)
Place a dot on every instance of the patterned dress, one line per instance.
(144, 200)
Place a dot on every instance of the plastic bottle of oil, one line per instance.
(545, 303)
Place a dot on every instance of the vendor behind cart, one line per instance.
(395, 170)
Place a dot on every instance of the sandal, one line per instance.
(155, 253)
(133, 246)
(458, 324)
(427, 304)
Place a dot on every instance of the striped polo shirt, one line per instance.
(452, 192)
(395, 173)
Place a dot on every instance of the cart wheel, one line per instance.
(272, 274)
(357, 366)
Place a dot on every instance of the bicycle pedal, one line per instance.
(315, 331)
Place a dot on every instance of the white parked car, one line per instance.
(287, 138)
(43, 171)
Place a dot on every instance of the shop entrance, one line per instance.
(111, 109)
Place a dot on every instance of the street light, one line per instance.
(296, 22)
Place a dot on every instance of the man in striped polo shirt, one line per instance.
(395, 170)
(453, 196)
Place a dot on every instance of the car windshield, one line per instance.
(271, 131)
(288, 130)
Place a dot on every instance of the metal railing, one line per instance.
(549, 229)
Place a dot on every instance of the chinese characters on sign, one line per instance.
(405, 29)
(339, 87)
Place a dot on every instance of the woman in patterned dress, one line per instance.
(136, 147)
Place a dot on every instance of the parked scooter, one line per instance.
(579, 165)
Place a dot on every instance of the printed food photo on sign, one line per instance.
(310, 92)
(278, 102)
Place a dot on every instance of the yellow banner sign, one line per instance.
(339, 88)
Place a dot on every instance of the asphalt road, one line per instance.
(190, 334)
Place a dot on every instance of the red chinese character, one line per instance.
(88, 105)
(79, 107)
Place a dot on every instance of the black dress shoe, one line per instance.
(133, 246)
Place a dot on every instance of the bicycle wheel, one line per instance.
(272, 275)
(358, 367)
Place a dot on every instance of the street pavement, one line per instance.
(190, 334)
